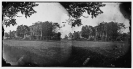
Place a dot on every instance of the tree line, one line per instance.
(38, 31)
(104, 31)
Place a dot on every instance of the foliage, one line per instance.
(70, 35)
(6, 34)
(23, 30)
(10, 10)
(76, 22)
(76, 9)
(85, 31)
(56, 36)
(76, 35)
(12, 34)
(66, 37)
(36, 28)
(103, 31)
(45, 30)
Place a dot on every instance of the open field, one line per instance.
(101, 54)
(64, 53)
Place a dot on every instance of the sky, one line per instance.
(56, 13)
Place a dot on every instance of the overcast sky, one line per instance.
(56, 13)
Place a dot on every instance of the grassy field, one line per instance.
(64, 53)
(101, 54)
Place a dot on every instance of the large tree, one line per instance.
(76, 9)
(103, 31)
(85, 31)
(36, 30)
(45, 30)
(76, 35)
(10, 10)
(109, 31)
(88, 32)
(23, 30)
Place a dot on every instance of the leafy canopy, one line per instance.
(23, 30)
(76, 9)
(10, 10)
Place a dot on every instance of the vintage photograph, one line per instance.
(66, 34)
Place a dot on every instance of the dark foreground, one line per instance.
(67, 53)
